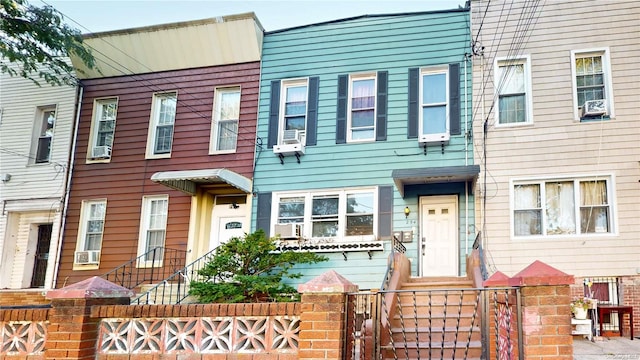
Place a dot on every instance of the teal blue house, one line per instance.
(364, 133)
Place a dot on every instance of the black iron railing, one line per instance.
(175, 288)
(148, 268)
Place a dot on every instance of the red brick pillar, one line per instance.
(72, 333)
(546, 313)
(322, 317)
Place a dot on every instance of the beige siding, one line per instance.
(33, 188)
(555, 144)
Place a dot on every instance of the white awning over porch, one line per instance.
(188, 180)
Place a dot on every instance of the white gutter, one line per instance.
(67, 189)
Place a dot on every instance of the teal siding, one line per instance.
(393, 44)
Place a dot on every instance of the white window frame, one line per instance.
(217, 119)
(352, 79)
(524, 60)
(98, 106)
(154, 125)
(85, 217)
(40, 132)
(608, 83)
(342, 194)
(145, 227)
(284, 86)
(433, 71)
(611, 196)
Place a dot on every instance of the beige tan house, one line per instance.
(557, 135)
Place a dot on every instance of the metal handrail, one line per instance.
(152, 266)
(175, 288)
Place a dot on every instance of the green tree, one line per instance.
(36, 42)
(250, 269)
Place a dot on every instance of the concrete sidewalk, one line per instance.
(613, 348)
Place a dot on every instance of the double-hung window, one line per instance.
(340, 214)
(434, 104)
(153, 227)
(45, 123)
(562, 207)
(103, 128)
(161, 128)
(293, 110)
(592, 84)
(90, 231)
(513, 91)
(362, 107)
(226, 116)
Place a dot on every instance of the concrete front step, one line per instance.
(438, 282)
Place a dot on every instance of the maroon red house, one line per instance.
(165, 144)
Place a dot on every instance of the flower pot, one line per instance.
(580, 313)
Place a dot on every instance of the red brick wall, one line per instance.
(22, 297)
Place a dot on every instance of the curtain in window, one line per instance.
(295, 108)
(527, 215)
(594, 209)
(560, 208)
(363, 109)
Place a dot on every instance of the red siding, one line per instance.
(125, 179)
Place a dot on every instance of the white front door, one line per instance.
(439, 235)
(227, 221)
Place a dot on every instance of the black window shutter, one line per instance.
(274, 109)
(454, 99)
(385, 211)
(414, 94)
(263, 219)
(312, 111)
(341, 113)
(381, 104)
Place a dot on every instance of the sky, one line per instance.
(90, 16)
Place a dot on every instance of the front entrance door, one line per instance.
(228, 219)
(439, 235)
(41, 256)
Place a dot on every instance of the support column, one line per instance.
(72, 333)
(322, 318)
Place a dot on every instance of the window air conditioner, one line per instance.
(88, 257)
(288, 231)
(291, 137)
(594, 108)
(101, 152)
(434, 138)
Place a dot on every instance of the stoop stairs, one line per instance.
(435, 318)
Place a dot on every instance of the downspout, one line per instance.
(466, 159)
(67, 190)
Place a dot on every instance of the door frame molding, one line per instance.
(438, 199)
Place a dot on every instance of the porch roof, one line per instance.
(433, 175)
(188, 180)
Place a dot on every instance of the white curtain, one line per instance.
(560, 208)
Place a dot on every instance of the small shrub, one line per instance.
(249, 269)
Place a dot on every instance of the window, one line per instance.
(91, 225)
(226, 115)
(513, 90)
(153, 226)
(163, 116)
(362, 108)
(592, 83)
(434, 104)
(562, 207)
(341, 214)
(45, 122)
(103, 128)
(293, 108)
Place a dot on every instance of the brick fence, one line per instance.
(91, 320)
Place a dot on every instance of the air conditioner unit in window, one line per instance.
(594, 108)
(289, 231)
(291, 137)
(87, 257)
(101, 152)
(433, 138)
